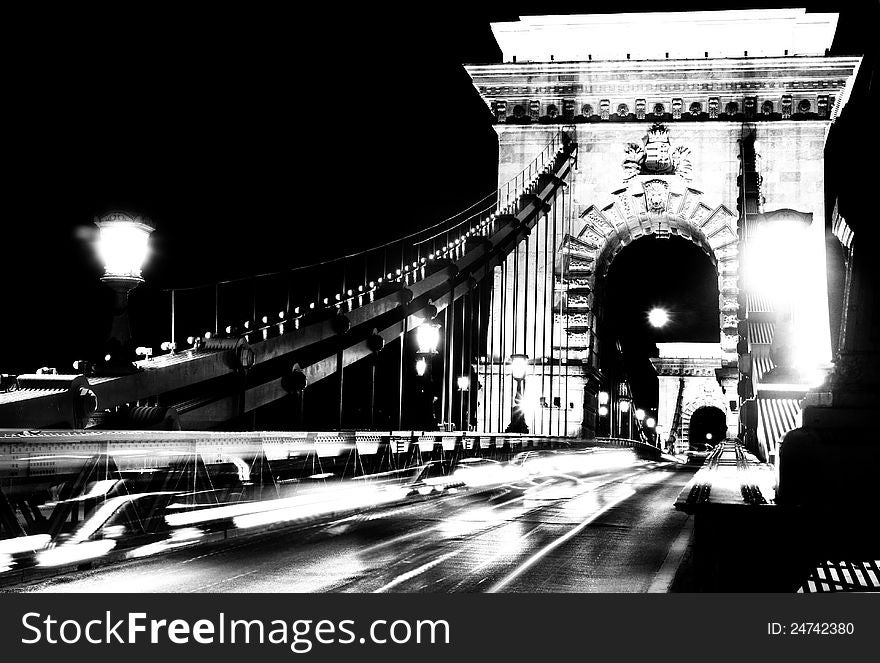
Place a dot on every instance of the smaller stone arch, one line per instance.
(706, 401)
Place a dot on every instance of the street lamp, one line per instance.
(623, 404)
(519, 366)
(603, 410)
(427, 340)
(123, 247)
(640, 414)
(650, 422)
(603, 398)
(464, 385)
(428, 337)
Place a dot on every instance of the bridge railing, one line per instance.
(265, 304)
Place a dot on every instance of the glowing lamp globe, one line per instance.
(464, 383)
(428, 337)
(640, 414)
(603, 410)
(123, 245)
(421, 366)
(519, 366)
(650, 422)
(603, 398)
(624, 405)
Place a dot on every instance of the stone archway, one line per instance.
(691, 376)
(662, 206)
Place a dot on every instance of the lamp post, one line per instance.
(123, 247)
(624, 409)
(519, 366)
(464, 385)
(427, 340)
(650, 423)
(604, 398)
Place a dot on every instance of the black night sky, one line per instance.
(256, 141)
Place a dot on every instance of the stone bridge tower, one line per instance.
(705, 125)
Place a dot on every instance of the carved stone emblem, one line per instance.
(656, 194)
(655, 156)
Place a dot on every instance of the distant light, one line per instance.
(658, 317)
(650, 422)
(603, 410)
(519, 365)
(640, 414)
(106, 357)
(421, 366)
(708, 436)
(603, 398)
(464, 383)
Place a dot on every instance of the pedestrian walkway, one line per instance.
(844, 576)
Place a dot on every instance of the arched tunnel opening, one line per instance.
(669, 273)
(708, 427)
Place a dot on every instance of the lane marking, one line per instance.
(494, 559)
(428, 530)
(663, 580)
(220, 582)
(416, 572)
(543, 552)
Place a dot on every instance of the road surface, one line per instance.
(609, 529)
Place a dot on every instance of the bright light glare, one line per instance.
(75, 552)
(773, 262)
(650, 422)
(421, 366)
(519, 365)
(708, 436)
(624, 406)
(309, 505)
(427, 337)
(640, 414)
(603, 398)
(531, 398)
(603, 410)
(658, 317)
(464, 382)
(22, 544)
(122, 247)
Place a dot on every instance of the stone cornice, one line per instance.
(660, 81)
(686, 367)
